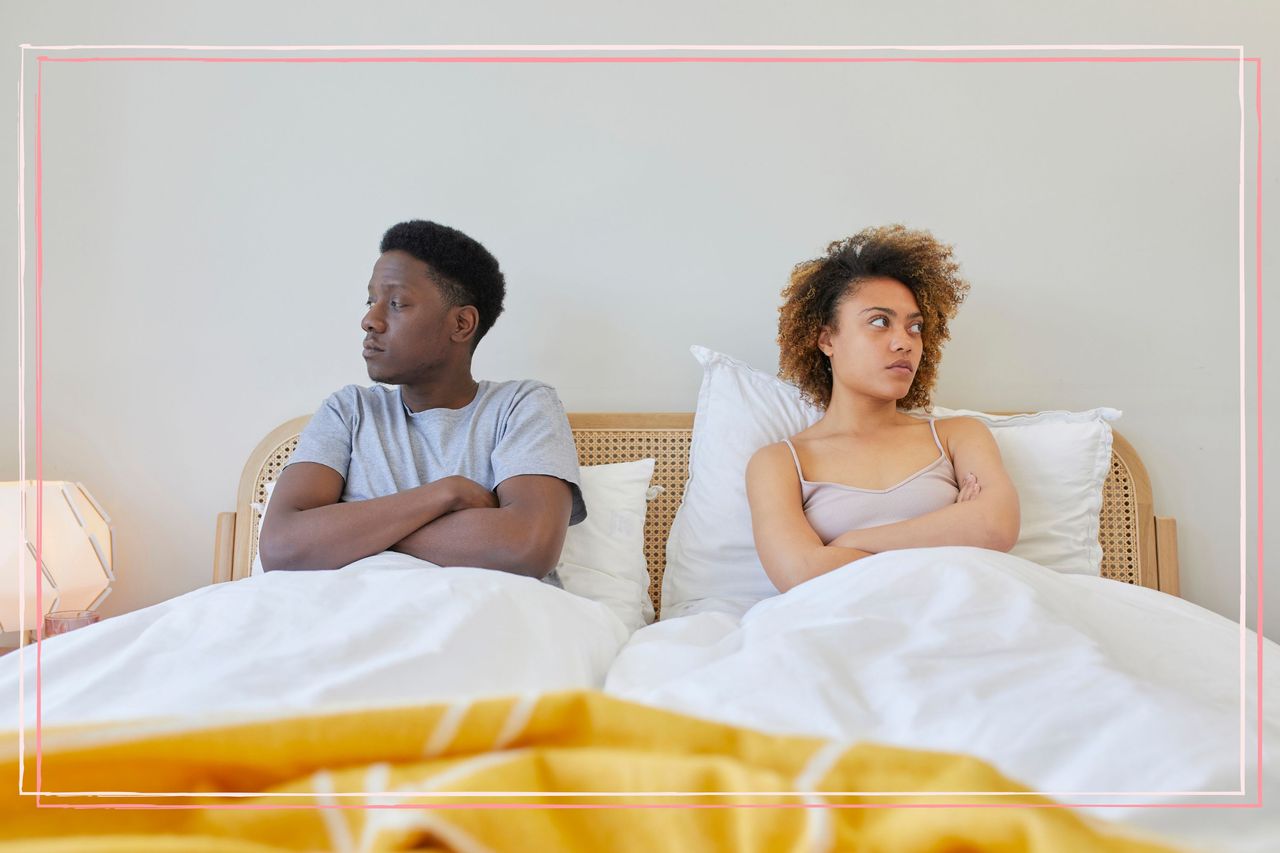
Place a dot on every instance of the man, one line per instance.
(442, 467)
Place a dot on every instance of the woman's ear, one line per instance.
(824, 341)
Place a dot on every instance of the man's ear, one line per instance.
(464, 322)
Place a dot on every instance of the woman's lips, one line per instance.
(906, 371)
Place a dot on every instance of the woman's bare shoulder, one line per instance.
(953, 432)
(771, 454)
(961, 423)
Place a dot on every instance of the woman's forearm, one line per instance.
(967, 523)
(814, 562)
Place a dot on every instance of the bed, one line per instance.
(728, 671)
(1138, 546)
(1102, 692)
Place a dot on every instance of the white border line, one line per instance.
(22, 410)
(745, 794)
(650, 48)
(1244, 506)
(540, 48)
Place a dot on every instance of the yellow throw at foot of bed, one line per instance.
(389, 779)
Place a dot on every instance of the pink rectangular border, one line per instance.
(41, 59)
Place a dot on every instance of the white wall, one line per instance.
(209, 229)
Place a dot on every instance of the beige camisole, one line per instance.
(832, 508)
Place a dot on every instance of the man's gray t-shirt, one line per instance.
(369, 436)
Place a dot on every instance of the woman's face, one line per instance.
(877, 328)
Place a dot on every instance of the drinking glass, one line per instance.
(62, 621)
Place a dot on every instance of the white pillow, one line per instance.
(1057, 460)
(603, 556)
(711, 557)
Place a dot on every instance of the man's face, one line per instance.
(408, 326)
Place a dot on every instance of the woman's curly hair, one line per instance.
(818, 286)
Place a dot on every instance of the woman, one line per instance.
(861, 332)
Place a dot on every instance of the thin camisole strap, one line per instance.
(792, 448)
(932, 421)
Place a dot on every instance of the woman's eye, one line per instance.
(395, 304)
(918, 325)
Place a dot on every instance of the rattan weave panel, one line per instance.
(270, 470)
(1118, 526)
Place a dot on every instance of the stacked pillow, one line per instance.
(603, 556)
(1058, 462)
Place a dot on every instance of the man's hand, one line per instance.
(523, 534)
(467, 494)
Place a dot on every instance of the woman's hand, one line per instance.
(969, 489)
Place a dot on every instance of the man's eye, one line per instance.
(395, 304)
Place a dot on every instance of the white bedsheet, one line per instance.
(1067, 684)
(388, 629)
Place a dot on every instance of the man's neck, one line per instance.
(454, 392)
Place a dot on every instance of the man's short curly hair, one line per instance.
(818, 286)
(462, 268)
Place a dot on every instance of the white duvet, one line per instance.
(1086, 689)
(388, 629)
(1078, 687)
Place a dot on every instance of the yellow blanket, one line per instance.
(580, 744)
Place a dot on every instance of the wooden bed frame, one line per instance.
(1137, 546)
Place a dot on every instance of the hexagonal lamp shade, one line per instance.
(75, 571)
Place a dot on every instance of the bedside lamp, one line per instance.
(75, 570)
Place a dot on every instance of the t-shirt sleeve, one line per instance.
(327, 436)
(536, 439)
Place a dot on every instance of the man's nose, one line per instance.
(372, 320)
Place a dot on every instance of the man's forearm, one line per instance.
(966, 523)
(331, 536)
(487, 538)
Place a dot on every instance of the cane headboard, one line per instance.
(1137, 547)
